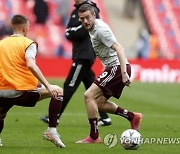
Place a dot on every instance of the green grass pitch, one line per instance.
(159, 104)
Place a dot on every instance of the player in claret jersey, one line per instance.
(83, 57)
(112, 80)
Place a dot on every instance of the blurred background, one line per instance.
(149, 30)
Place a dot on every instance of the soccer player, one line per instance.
(112, 80)
(83, 58)
(19, 77)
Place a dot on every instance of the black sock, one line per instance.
(103, 115)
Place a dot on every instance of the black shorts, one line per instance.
(27, 99)
(110, 81)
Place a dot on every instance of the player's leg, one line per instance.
(3, 112)
(73, 80)
(30, 98)
(88, 79)
(54, 110)
(7, 103)
(4, 108)
(95, 100)
(90, 97)
(55, 104)
(110, 82)
(104, 119)
(111, 107)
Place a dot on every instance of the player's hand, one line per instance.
(126, 79)
(53, 91)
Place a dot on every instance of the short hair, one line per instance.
(19, 19)
(86, 7)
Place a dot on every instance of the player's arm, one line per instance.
(109, 40)
(121, 55)
(74, 29)
(76, 32)
(122, 58)
(31, 64)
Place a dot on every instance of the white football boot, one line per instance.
(54, 137)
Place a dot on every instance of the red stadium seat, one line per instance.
(163, 17)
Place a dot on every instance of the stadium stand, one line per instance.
(163, 17)
(50, 36)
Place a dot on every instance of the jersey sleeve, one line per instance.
(31, 51)
(106, 37)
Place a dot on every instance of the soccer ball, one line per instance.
(131, 139)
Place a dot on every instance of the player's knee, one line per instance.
(87, 96)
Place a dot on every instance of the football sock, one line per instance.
(124, 113)
(103, 115)
(94, 128)
(54, 110)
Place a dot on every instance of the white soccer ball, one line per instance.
(131, 139)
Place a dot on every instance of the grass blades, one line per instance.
(158, 102)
